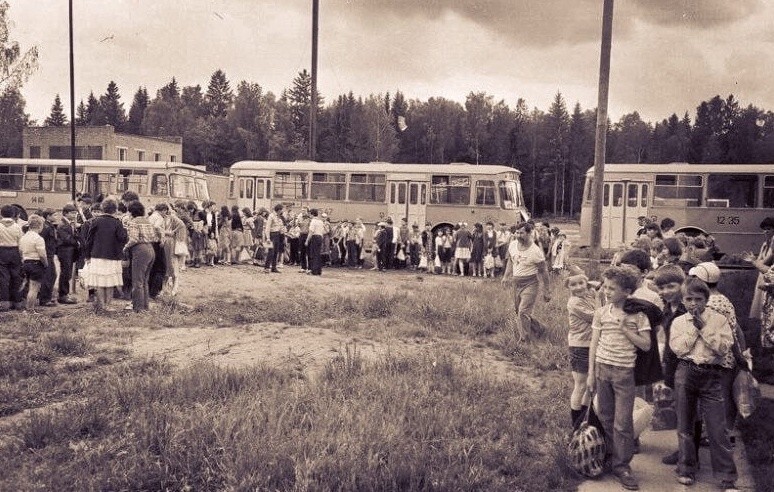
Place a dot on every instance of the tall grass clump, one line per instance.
(399, 423)
(68, 343)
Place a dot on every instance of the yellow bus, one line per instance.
(728, 201)
(442, 194)
(32, 184)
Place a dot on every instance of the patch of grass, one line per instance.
(400, 423)
(68, 343)
(758, 436)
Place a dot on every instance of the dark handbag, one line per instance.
(647, 365)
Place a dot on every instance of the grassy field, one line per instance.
(82, 412)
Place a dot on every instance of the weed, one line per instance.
(68, 343)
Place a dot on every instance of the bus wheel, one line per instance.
(690, 231)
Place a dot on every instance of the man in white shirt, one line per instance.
(273, 231)
(314, 242)
(525, 264)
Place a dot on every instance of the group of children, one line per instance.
(702, 348)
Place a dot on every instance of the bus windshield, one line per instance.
(510, 196)
(182, 186)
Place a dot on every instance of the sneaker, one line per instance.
(67, 300)
(671, 459)
(728, 486)
(686, 479)
(627, 480)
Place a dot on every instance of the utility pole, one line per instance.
(313, 99)
(72, 109)
(601, 140)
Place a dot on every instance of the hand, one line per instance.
(748, 257)
(591, 381)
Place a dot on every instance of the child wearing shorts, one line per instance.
(580, 308)
(34, 260)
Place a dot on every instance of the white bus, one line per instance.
(32, 184)
(442, 194)
(728, 201)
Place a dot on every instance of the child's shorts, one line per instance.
(579, 359)
(34, 270)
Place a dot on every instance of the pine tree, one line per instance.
(170, 92)
(558, 122)
(113, 108)
(81, 118)
(95, 115)
(299, 98)
(13, 120)
(219, 96)
(57, 116)
(137, 111)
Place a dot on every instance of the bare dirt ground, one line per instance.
(302, 348)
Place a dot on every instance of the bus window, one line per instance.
(485, 192)
(617, 194)
(260, 193)
(202, 191)
(249, 189)
(768, 192)
(39, 178)
(182, 186)
(401, 193)
(509, 195)
(160, 185)
(732, 190)
(392, 193)
(423, 194)
(135, 180)
(11, 177)
(241, 187)
(606, 196)
(328, 186)
(452, 190)
(413, 192)
(589, 189)
(291, 186)
(99, 183)
(632, 195)
(367, 188)
(644, 196)
(62, 178)
(683, 190)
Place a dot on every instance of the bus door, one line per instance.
(253, 193)
(622, 203)
(407, 199)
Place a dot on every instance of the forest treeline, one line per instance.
(553, 148)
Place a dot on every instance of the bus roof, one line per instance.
(101, 163)
(378, 167)
(685, 168)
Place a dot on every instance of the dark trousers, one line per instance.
(275, 251)
(383, 257)
(353, 253)
(46, 293)
(303, 254)
(66, 260)
(143, 256)
(708, 385)
(10, 276)
(158, 271)
(315, 258)
(295, 255)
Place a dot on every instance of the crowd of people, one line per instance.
(121, 249)
(662, 304)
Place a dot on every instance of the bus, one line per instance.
(441, 194)
(728, 201)
(33, 184)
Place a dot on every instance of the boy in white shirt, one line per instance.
(34, 260)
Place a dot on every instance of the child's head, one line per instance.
(619, 282)
(695, 295)
(667, 224)
(669, 279)
(578, 284)
(35, 223)
(673, 246)
(637, 258)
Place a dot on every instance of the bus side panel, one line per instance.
(218, 188)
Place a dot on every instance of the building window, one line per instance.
(367, 188)
(122, 153)
(173, 158)
(35, 152)
(450, 190)
(92, 152)
(140, 155)
(328, 186)
(156, 156)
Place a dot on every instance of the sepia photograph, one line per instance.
(387, 245)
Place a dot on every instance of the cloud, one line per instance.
(702, 14)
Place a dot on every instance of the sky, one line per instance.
(667, 55)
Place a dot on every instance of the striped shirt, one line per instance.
(140, 230)
(614, 348)
(581, 314)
